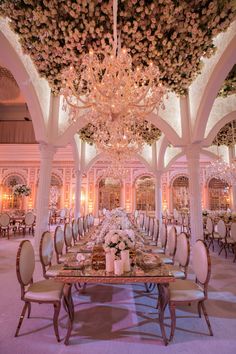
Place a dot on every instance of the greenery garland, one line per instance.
(174, 34)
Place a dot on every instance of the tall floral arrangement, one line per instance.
(174, 34)
(21, 190)
(119, 240)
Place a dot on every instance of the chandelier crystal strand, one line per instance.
(113, 94)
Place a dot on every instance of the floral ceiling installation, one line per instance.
(226, 135)
(147, 132)
(173, 34)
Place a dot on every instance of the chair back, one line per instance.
(81, 226)
(151, 227)
(221, 228)
(209, 225)
(146, 224)
(29, 218)
(176, 214)
(85, 223)
(25, 263)
(163, 236)
(4, 220)
(233, 231)
(58, 241)
(46, 249)
(75, 230)
(182, 254)
(172, 241)
(141, 219)
(201, 262)
(155, 231)
(68, 236)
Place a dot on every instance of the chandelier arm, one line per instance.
(76, 106)
(115, 8)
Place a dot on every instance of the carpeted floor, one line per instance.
(117, 319)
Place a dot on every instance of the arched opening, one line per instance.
(109, 193)
(145, 193)
(180, 192)
(9, 200)
(219, 194)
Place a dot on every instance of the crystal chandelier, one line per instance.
(116, 171)
(220, 169)
(108, 88)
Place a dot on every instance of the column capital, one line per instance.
(47, 151)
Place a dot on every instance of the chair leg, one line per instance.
(173, 319)
(206, 318)
(199, 309)
(221, 249)
(21, 318)
(57, 307)
(29, 309)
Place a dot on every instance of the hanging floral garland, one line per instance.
(174, 34)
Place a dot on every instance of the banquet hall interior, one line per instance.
(118, 113)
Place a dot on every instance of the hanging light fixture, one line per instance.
(108, 88)
(220, 169)
(115, 170)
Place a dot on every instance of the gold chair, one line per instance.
(75, 231)
(46, 254)
(46, 291)
(59, 244)
(228, 240)
(68, 236)
(182, 256)
(28, 222)
(170, 250)
(187, 291)
(219, 234)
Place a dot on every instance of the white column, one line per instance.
(47, 152)
(78, 183)
(158, 196)
(195, 194)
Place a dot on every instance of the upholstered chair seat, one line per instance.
(186, 290)
(53, 270)
(177, 272)
(44, 291)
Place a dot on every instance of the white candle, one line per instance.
(118, 267)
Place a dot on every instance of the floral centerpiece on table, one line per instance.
(21, 190)
(119, 240)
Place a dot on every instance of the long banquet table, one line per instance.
(160, 276)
